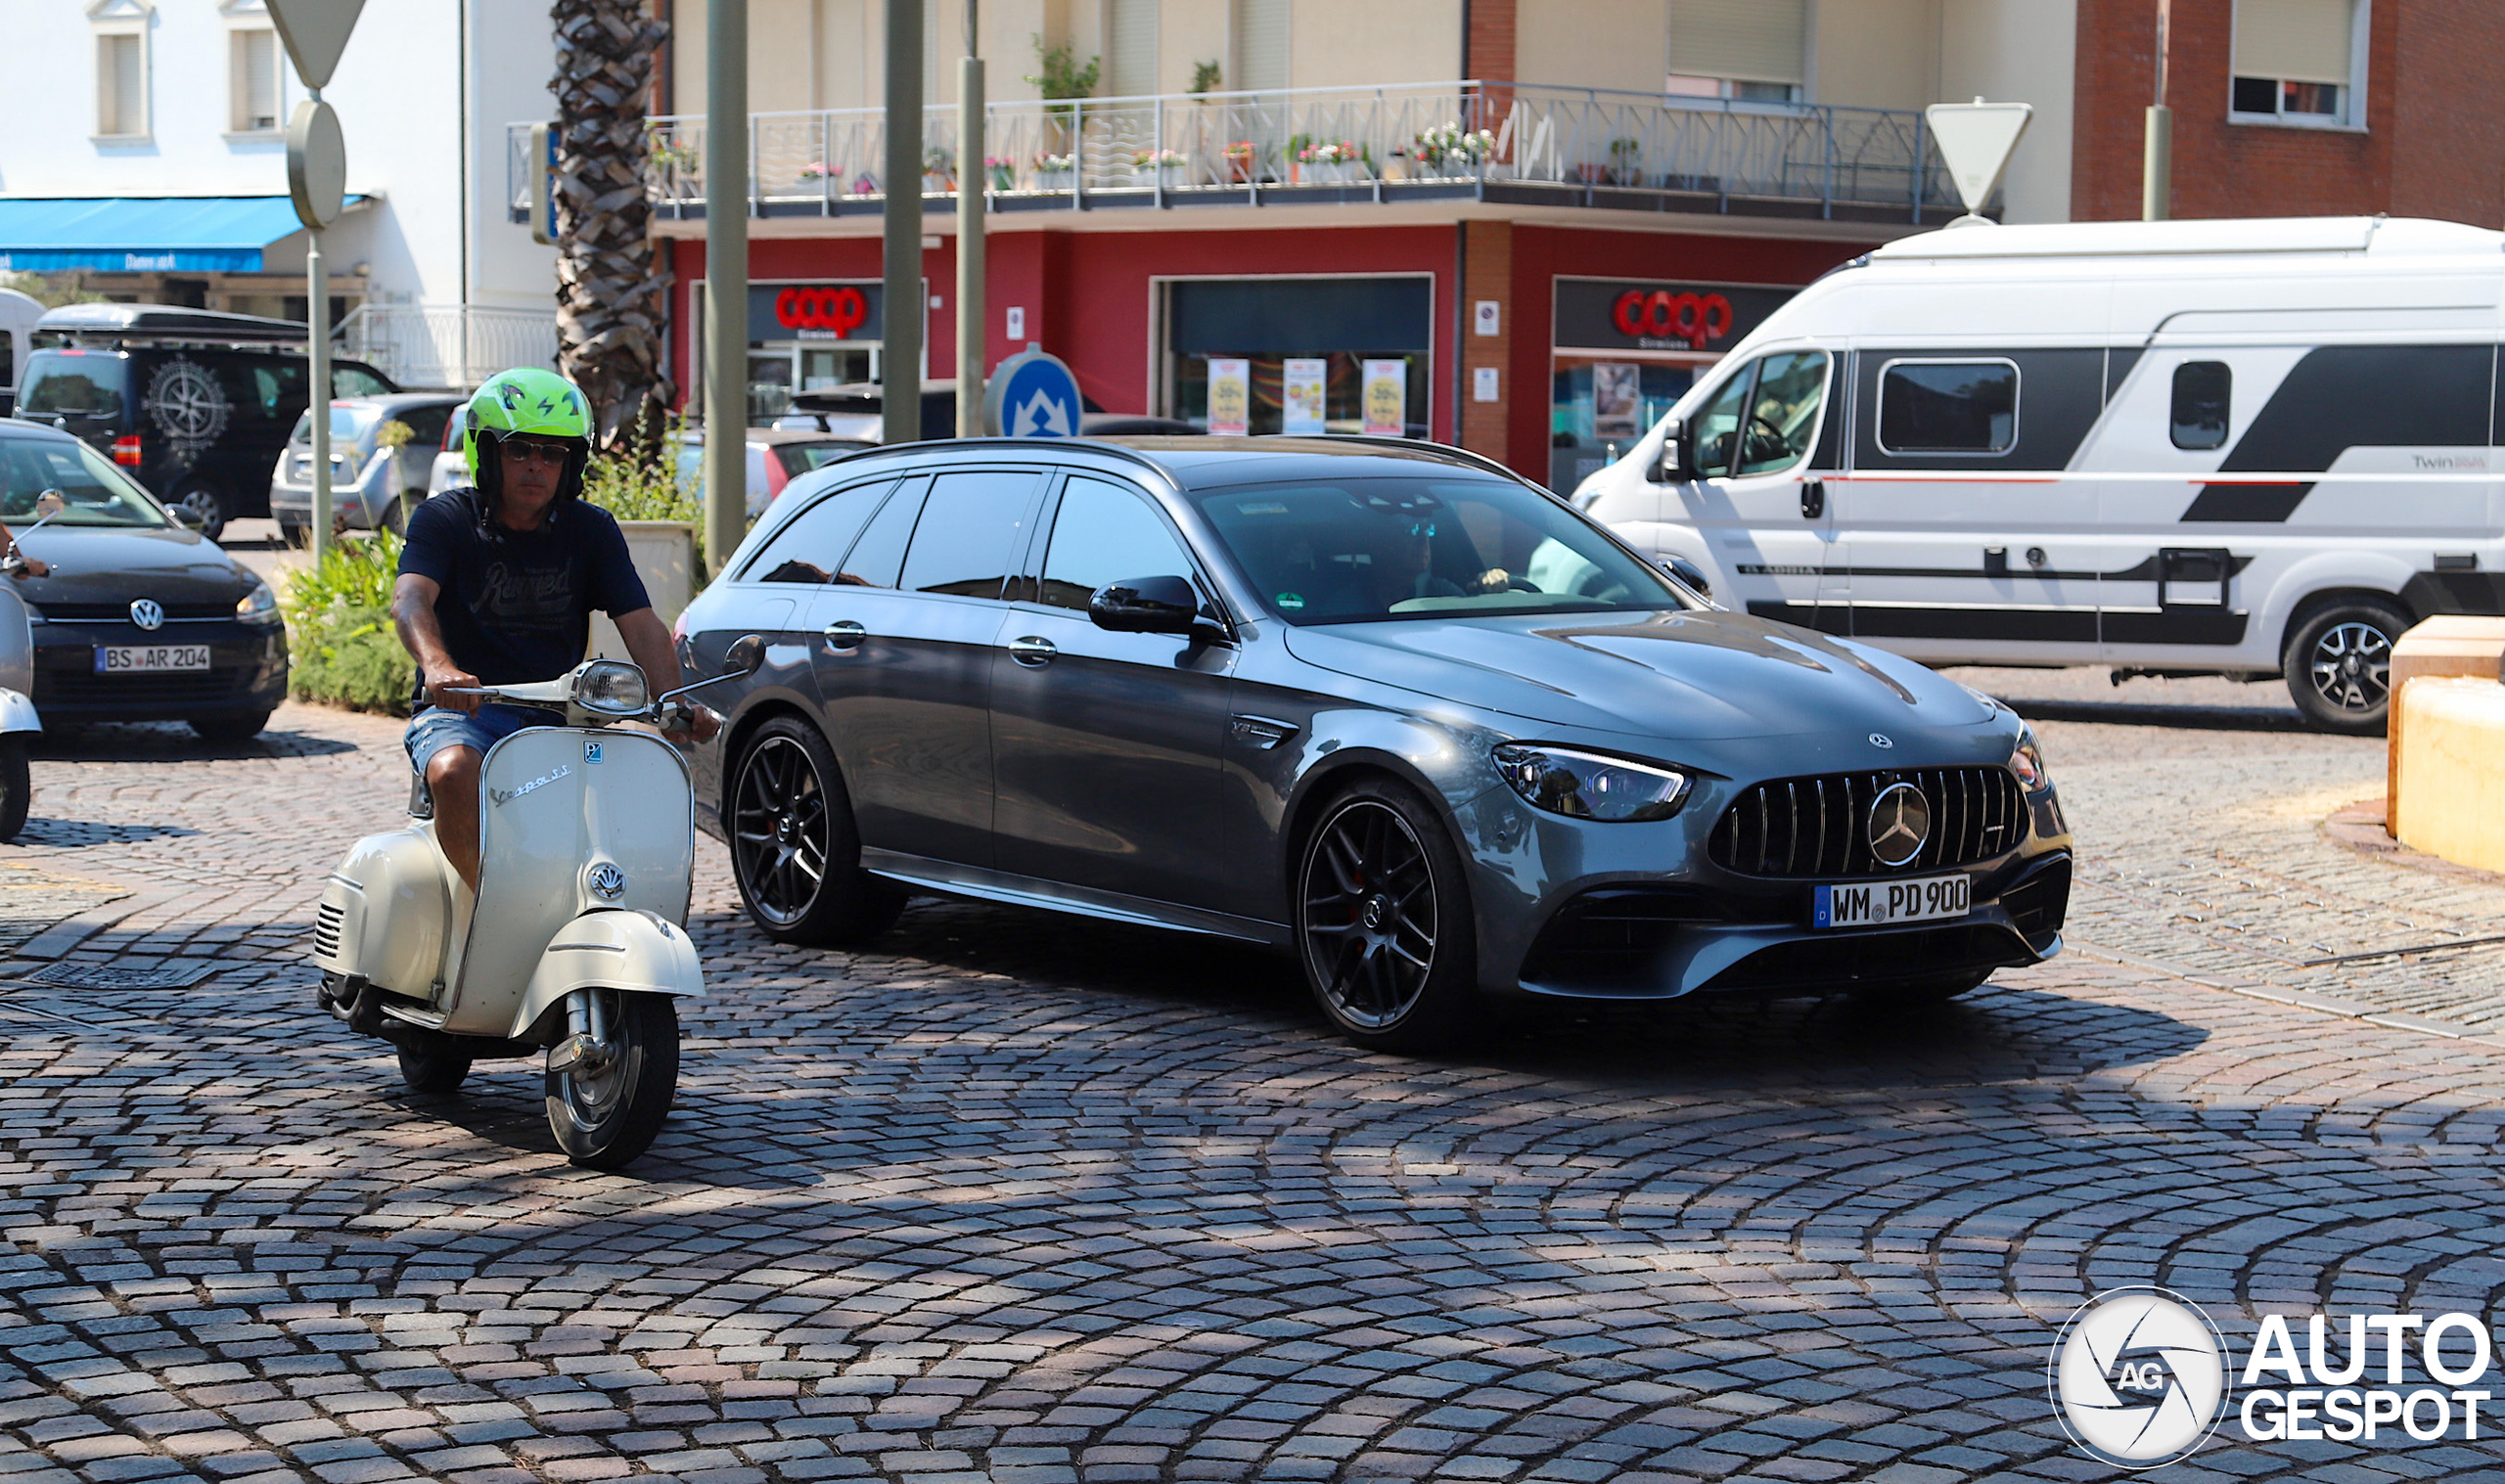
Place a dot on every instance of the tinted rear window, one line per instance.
(82, 385)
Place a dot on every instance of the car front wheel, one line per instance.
(2338, 664)
(1384, 920)
(794, 852)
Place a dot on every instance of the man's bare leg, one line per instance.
(452, 776)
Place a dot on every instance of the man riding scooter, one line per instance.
(496, 587)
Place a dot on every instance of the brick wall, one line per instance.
(1488, 273)
(1488, 47)
(2434, 143)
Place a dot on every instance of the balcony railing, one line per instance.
(449, 344)
(1493, 141)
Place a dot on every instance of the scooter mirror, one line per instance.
(745, 656)
(51, 503)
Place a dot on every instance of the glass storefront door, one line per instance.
(1599, 405)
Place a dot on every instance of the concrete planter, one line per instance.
(664, 552)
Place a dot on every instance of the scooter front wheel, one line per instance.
(605, 1107)
(16, 788)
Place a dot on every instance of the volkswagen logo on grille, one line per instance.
(148, 612)
(1899, 824)
(608, 882)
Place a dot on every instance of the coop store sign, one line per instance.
(1621, 315)
(817, 311)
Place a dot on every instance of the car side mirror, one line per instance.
(189, 518)
(1689, 574)
(1146, 606)
(745, 656)
(1678, 456)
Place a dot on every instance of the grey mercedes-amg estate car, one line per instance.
(1383, 705)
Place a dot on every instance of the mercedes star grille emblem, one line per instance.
(1899, 824)
(1881, 739)
(608, 882)
(148, 612)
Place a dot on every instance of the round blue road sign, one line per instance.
(1032, 395)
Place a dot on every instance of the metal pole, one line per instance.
(900, 382)
(2157, 160)
(726, 200)
(317, 387)
(973, 196)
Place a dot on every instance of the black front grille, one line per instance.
(120, 612)
(1819, 827)
(326, 931)
(138, 687)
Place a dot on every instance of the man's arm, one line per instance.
(648, 645)
(413, 614)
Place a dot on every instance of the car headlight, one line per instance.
(611, 688)
(1588, 786)
(260, 605)
(2027, 761)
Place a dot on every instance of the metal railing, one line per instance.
(1490, 140)
(449, 346)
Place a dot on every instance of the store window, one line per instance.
(1625, 351)
(1300, 355)
(2295, 62)
(1749, 50)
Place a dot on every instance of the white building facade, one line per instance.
(145, 148)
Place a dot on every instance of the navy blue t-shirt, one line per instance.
(516, 605)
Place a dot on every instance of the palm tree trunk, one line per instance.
(612, 303)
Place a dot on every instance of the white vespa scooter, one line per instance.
(18, 719)
(576, 940)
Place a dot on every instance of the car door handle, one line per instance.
(1032, 652)
(844, 634)
(1813, 499)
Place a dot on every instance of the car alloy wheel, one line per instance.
(2338, 664)
(1384, 920)
(779, 830)
(2351, 666)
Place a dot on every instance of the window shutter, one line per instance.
(1260, 45)
(1747, 40)
(2293, 40)
(256, 80)
(121, 86)
(1130, 27)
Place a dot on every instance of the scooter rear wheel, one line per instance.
(604, 1117)
(432, 1073)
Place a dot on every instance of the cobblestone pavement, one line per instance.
(1021, 1199)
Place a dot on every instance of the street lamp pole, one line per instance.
(901, 378)
(2157, 162)
(973, 196)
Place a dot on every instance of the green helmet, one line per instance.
(526, 400)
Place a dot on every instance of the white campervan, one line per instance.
(2248, 448)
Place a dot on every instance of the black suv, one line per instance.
(195, 404)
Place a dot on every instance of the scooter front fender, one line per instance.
(634, 951)
(18, 714)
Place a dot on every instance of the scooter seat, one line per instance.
(420, 799)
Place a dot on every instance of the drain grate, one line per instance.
(116, 978)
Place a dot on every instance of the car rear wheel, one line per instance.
(1384, 923)
(204, 502)
(795, 851)
(395, 516)
(2338, 664)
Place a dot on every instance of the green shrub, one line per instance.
(633, 490)
(341, 647)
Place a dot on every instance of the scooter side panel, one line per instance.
(571, 820)
(385, 913)
(18, 714)
(16, 646)
(635, 951)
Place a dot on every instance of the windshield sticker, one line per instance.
(1259, 507)
(1290, 602)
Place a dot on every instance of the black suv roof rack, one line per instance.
(165, 321)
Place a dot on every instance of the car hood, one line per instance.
(1671, 674)
(99, 565)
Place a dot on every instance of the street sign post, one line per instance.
(1976, 139)
(1032, 395)
(316, 32)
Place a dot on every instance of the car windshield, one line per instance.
(96, 493)
(348, 424)
(75, 384)
(1350, 551)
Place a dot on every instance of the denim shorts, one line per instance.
(434, 728)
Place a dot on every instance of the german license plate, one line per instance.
(1878, 904)
(131, 658)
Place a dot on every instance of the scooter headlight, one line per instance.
(611, 688)
(1588, 786)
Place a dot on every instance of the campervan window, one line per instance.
(1947, 407)
(2201, 389)
(1717, 425)
(1783, 412)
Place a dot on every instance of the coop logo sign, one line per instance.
(1700, 319)
(2140, 1377)
(1603, 314)
(817, 311)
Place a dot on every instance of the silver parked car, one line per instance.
(1382, 705)
(373, 486)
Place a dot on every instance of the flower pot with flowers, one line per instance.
(938, 172)
(1158, 167)
(1329, 164)
(1239, 162)
(1002, 172)
(1450, 150)
(1056, 172)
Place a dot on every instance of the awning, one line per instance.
(144, 234)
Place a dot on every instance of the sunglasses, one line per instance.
(535, 451)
